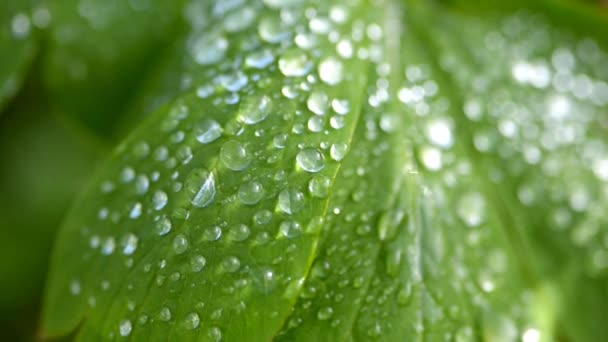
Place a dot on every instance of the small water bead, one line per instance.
(231, 264)
(129, 244)
(439, 132)
(107, 246)
(255, 109)
(200, 187)
(290, 229)
(310, 160)
(471, 209)
(127, 175)
(165, 314)
(135, 211)
(207, 131)
(271, 30)
(163, 226)
(212, 233)
(209, 49)
(215, 334)
(240, 19)
(239, 232)
(340, 106)
(262, 217)
(318, 102)
(294, 63)
(75, 287)
(125, 327)
(280, 140)
(319, 186)
(234, 156)
(20, 25)
(180, 244)
(192, 321)
(233, 82)
(259, 59)
(251, 193)
(184, 154)
(316, 124)
(338, 151)
(197, 263)
(431, 158)
(159, 200)
(141, 184)
(337, 122)
(331, 71)
(290, 201)
(325, 313)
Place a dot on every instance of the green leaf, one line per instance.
(17, 46)
(98, 51)
(354, 171)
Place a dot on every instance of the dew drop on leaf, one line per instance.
(207, 131)
(197, 263)
(200, 187)
(234, 156)
(180, 244)
(255, 109)
(310, 160)
(290, 201)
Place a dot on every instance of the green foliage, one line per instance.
(321, 171)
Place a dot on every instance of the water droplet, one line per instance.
(212, 233)
(259, 59)
(251, 193)
(319, 186)
(215, 334)
(290, 229)
(431, 158)
(234, 156)
(129, 244)
(125, 328)
(231, 264)
(331, 71)
(209, 49)
(141, 150)
(207, 131)
(294, 63)
(262, 217)
(318, 102)
(471, 209)
(200, 187)
(325, 313)
(180, 244)
(192, 321)
(271, 30)
(290, 201)
(280, 140)
(165, 314)
(75, 287)
(439, 132)
(197, 263)
(338, 151)
(107, 246)
(127, 174)
(310, 160)
(255, 109)
(239, 232)
(163, 226)
(337, 122)
(315, 124)
(135, 210)
(159, 200)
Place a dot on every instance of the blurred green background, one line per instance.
(53, 132)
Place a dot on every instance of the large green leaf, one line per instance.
(352, 171)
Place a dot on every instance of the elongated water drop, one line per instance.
(200, 187)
